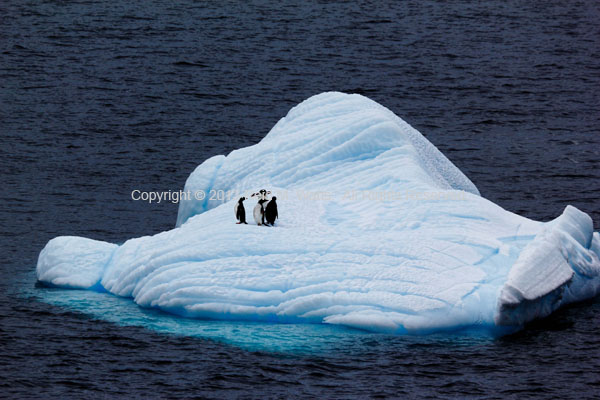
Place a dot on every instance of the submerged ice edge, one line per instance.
(405, 266)
(288, 339)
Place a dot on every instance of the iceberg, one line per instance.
(378, 230)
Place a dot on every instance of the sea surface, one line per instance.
(98, 98)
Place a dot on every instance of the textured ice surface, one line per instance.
(377, 230)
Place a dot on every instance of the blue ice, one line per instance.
(378, 231)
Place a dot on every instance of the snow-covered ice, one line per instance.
(378, 230)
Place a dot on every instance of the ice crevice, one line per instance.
(444, 258)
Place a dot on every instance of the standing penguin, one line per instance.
(271, 211)
(259, 208)
(240, 211)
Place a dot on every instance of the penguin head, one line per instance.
(241, 199)
(262, 194)
(273, 198)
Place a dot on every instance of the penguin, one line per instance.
(240, 211)
(259, 212)
(259, 208)
(271, 211)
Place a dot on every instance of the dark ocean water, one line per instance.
(100, 98)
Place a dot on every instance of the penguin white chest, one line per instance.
(258, 214)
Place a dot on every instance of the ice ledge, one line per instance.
(73, 262)
(559, 266)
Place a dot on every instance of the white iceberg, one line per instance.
(378, 231)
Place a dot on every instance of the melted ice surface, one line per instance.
(378, 230)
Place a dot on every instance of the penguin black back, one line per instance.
(271, 211)
(240, 211)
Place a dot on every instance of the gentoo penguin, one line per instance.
(240, 211)
(259, 208)
(271, 211)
